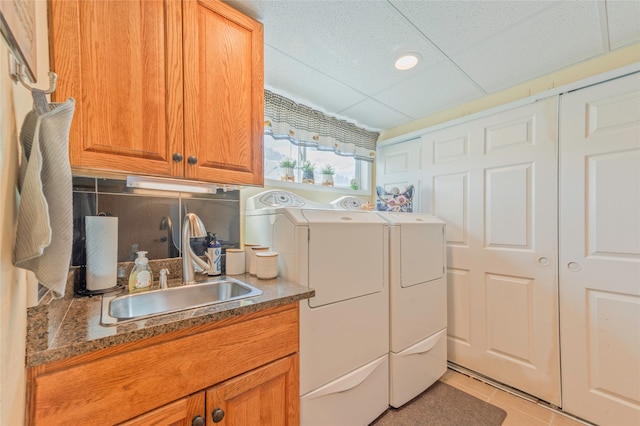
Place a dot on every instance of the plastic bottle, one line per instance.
(141, 276)
(162, 281)
(214, 253)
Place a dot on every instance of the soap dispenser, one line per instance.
(141, 276)
(214, 254)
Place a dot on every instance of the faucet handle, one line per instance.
(163, 278)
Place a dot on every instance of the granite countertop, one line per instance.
(63, 328)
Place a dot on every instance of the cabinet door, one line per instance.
(223, 94)
(183, 412)
(600, 251)
(122, 63)
(266, 396)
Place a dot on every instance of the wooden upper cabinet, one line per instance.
(122, 63)
(223, 93)
(155, 78)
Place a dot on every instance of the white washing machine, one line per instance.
(418, 300)
(344, 328)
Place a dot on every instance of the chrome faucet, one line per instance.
(192, 227)
(167, 224)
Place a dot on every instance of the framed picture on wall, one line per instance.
(18, 27)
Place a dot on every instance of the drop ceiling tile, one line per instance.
(454, 26)
(355, 42)
(558, 37)
(437, 88)
(623, 18)
(293, 79)
(374, 115)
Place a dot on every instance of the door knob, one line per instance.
(574, 266)
(544, 261)
(197, 421)
(192, 160)
(177, 157)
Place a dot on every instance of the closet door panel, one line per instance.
(600, 251)
(398, 166)
(494, 182)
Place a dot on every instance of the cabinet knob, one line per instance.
(177, 157)
(197, 421)
(218, 415)
(192, 160)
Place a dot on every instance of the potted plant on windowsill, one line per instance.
(308, 169)
(327, 175)
(287, 165)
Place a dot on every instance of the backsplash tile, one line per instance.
(84, 204)
(151, 220)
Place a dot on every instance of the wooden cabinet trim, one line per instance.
(180, 412)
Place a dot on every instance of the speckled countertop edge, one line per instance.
(63, 328)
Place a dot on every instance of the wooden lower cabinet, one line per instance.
(246, 367)
(265, 396)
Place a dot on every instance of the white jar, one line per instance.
(252, 263)
(235, 261)
(247, 255)
(266, 264)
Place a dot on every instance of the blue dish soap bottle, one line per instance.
(214, 253)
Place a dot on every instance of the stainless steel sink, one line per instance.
(116, 310)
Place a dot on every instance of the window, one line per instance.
(350, 172)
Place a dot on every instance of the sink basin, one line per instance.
(151, 303)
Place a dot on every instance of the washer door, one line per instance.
(347, 255)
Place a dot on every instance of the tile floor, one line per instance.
(520, 412)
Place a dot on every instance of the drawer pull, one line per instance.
(218, 415)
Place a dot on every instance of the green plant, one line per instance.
(328, 170)
(308, 166)
(287, 163)
(354, 185)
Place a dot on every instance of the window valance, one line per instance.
(303, 126)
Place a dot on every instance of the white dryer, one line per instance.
(418, 304)
(418, 300)
(344, 329)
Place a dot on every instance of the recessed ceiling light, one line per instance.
(408, 61)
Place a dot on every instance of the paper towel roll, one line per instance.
(102, 252)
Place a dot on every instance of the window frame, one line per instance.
(301, 151)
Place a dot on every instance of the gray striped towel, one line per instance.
(44, 234)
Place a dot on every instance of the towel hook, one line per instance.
(53, 78)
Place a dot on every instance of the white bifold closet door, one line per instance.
(600, 251)
(494, 182)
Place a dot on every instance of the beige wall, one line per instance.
(15, 102)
